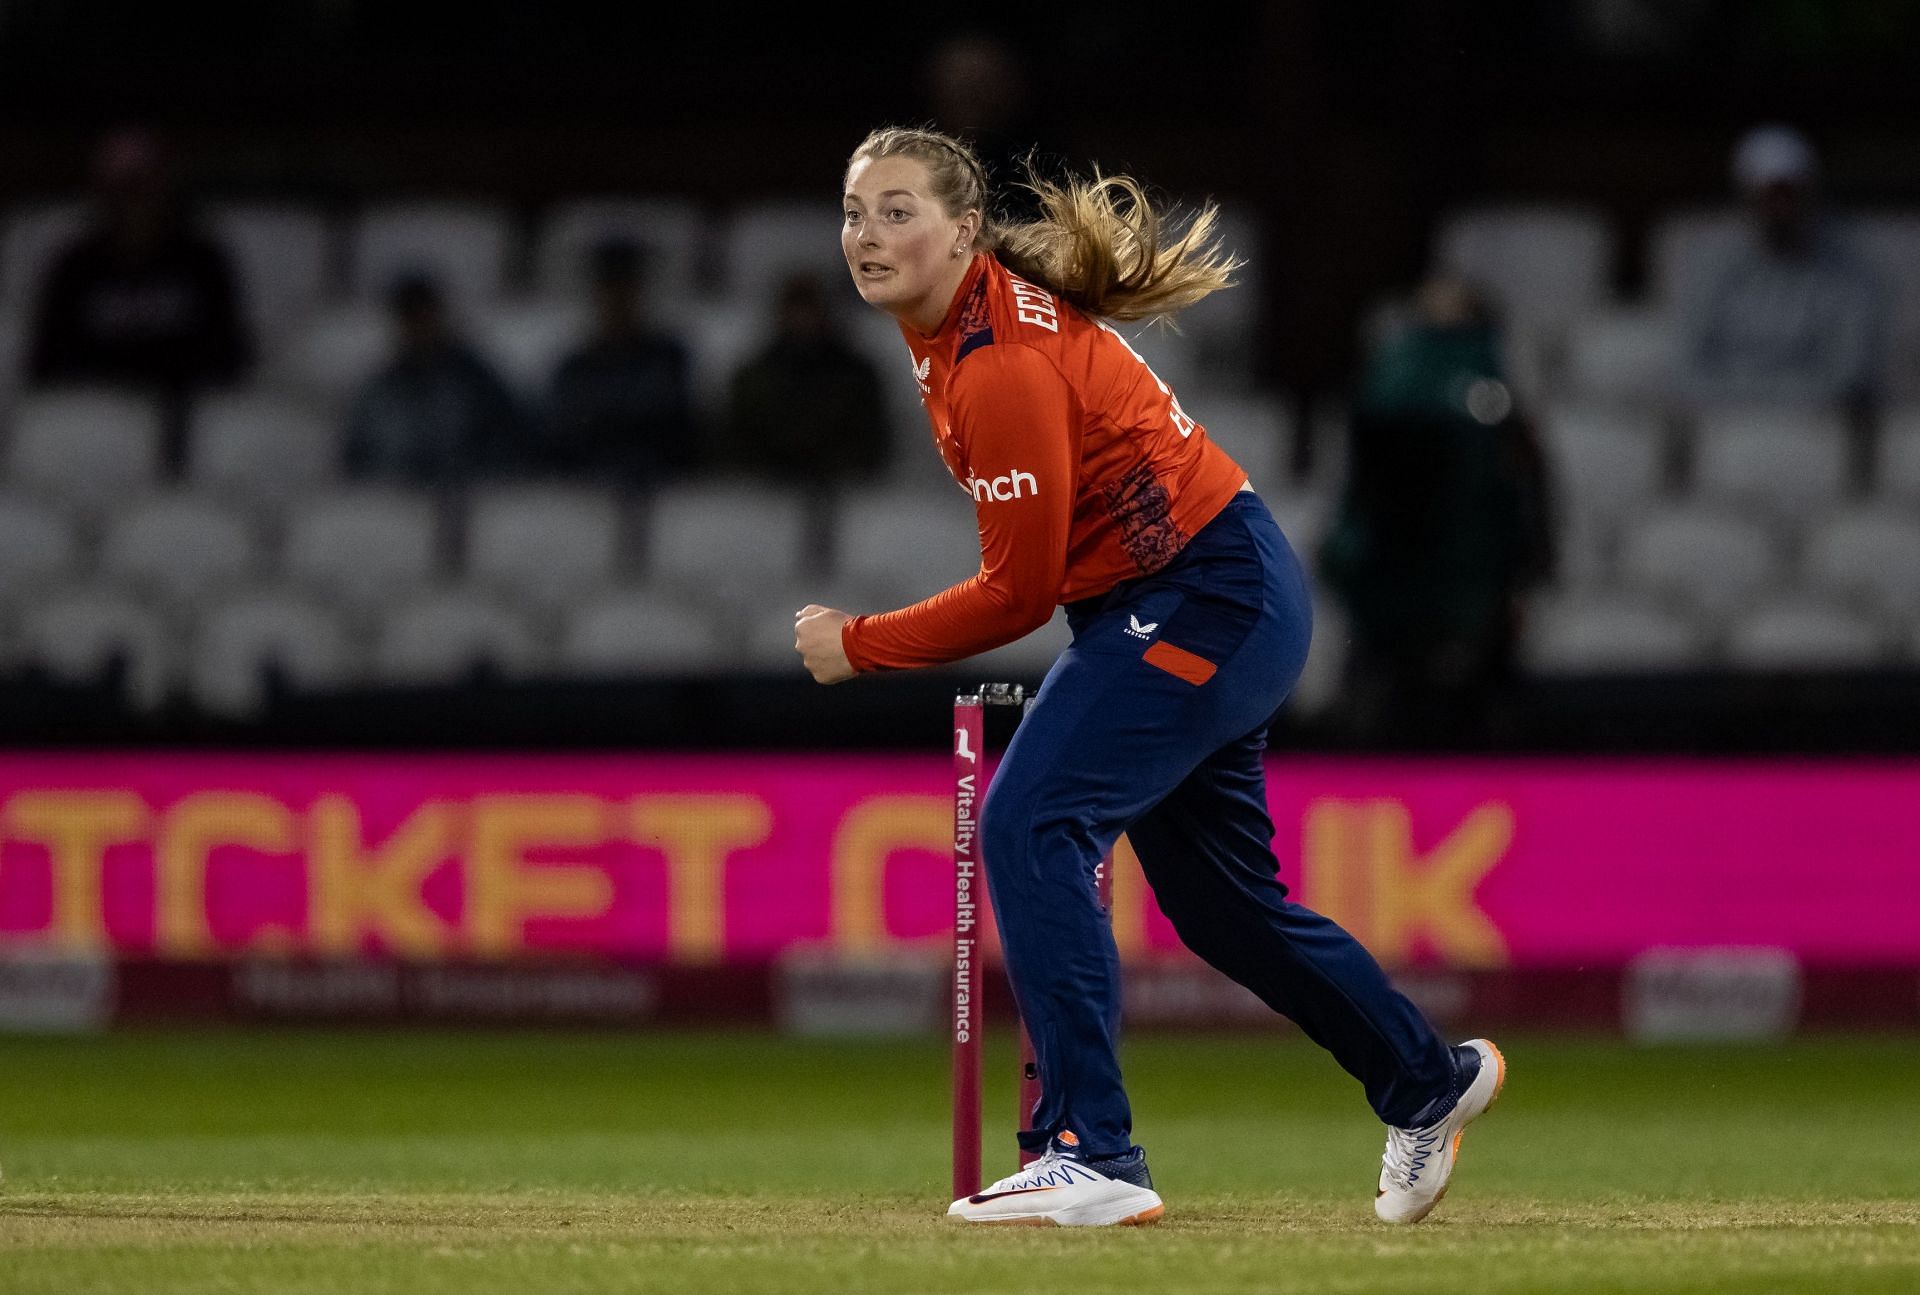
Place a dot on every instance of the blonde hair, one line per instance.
(1100, 244)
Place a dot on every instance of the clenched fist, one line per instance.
(816, 636)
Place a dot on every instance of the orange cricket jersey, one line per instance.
(1083, 468)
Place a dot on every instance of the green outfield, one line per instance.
(477, 1163)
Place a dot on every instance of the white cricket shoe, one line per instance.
(1419, 1162)
(1057, 1189)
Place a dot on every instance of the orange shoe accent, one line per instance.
(1144, 1217)
(1068, 1138)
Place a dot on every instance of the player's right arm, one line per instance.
(1015, 417)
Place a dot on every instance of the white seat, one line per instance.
(1868, 553)
(1542, 265)
(35, 234)
(1687, 249)
(241, 640)
(1255, 430)
(1605, 461)
(543, 543)
(762, 626)
(719, 536)
(464, 246)
(77, 635)
(720, 337)
(1891, 241)
(365, 545)
(334, 351)
(670, 229)
(630, 633)
(527, 339)
(1804, 633)
(444, 636)
(1897, 465)
(1788, 461)
(1305, 515)
(764, 242)
(1323, 677)
(1701, 557)
(261, 447)
(1620, 356)
(1222, 329)
(38, 547)
(180, 546)
(918, 542)
(1025, 660)
(282, 260)
(1610, 634)
(84, 445)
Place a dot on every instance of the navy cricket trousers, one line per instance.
(1153, 722)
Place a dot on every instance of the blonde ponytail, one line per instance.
(1103, 246)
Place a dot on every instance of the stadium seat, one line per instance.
(915, 464)
(35, 234)
(38, 548)
(1174, 356)
(1687, 248)
(1891, 240)
(920, 542)
(1699, 556)
(77, 635)
(1324, 675)
(671, 229)
(330, 355)
(764, 242)
(261, 448)
(1222, 331)
(542, 544)
(1305, 516)
(722, 535)
(527, 339)
(283, 259)
(1784, 460)
(465, 246)
(87, 446)
(15, 324)
(1610, 634)
(1605, 461)
(444, 636)
(638, 633)
(762, 626)
(179, 547)
(1872, 554)
(239, 641)
(1897, 465)
(1543, 265)
(1025, 660)
(720, 337)
(1255, 430)
(364, 544)
(1803, 633)
(1619, 356)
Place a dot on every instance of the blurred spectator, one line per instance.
(620, 406)
(1796, 316)
(435, 412)
(143, 297)
(1443, 526)
(808, 408)
(979, 87)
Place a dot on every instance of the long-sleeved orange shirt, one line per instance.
(1083, 469)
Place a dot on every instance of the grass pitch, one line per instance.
(293, 1162)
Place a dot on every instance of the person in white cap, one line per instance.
(1795, 315)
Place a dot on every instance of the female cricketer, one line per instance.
(1190, 616)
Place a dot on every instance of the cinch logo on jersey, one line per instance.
(1014, 485)
(1139, 631)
